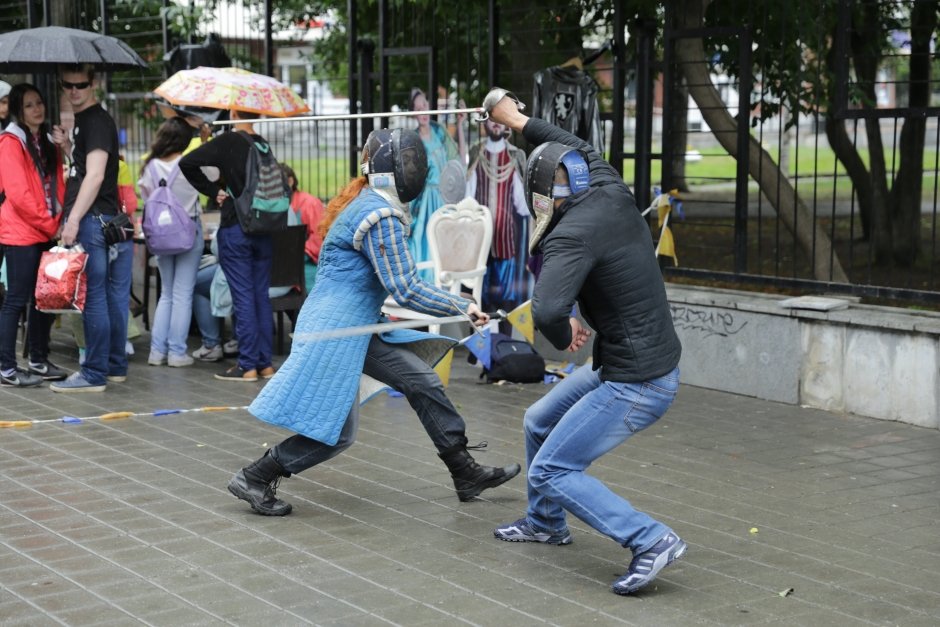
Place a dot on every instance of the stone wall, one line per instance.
(871, 361)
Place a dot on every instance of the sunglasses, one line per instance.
(83, 85)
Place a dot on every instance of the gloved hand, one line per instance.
(494, 96)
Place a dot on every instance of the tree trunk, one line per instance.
(815, 242)
(906, 191)
(847, 154)
(866, 56)
(679, 125)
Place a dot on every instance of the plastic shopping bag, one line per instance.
(62, 283)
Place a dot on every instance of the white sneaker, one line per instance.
(204, 353)
(156, 358)
(179, 361)
(230, 348)
(128, 348)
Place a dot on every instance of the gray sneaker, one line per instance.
(76, 383)
(20, 379)
(645, 566)
(522, 531)
(47, 371)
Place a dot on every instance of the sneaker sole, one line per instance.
(50, 377)
(88, 388)
(469, 495)
(222, 377)
(20, 385)
(562, 542)
(670, 556)
(238, 493)
(117, 378)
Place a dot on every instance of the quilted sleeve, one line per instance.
(381, 238)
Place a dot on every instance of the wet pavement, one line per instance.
(793, 516)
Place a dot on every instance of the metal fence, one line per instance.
(850, 93)
(813, 229)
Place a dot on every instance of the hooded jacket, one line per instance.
(599, 253)
(24, 217)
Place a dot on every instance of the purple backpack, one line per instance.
(168, 227)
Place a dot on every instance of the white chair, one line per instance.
(459, 238)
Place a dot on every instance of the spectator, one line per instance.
(441, 149)
(4, 104)
(309, 210)
(91, 200)
(34, 189)
(173, 315)
(245, 258)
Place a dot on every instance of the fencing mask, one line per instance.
(541, 188)
(395, 160)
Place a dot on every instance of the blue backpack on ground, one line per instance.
(265, 202)
(167, 226)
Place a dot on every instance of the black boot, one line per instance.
(257, 484)
(470, 478)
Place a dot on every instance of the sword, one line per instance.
(381, 327)
(355, 116)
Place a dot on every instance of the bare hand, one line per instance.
(69, 233)
(461, 117)
(59, 137)
(579, 336)
(481, 317)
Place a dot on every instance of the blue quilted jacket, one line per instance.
(364, 258)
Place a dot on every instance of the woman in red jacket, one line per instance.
(34, 191)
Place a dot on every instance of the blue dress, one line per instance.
(363, 259)
(441, 149)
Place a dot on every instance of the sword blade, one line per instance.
(370, 329)
(350, 116)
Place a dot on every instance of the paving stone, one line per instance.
(132, 518)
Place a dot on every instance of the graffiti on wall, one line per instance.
(708, 322)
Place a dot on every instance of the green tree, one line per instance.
(795, 57)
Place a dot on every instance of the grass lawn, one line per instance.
(814, 170)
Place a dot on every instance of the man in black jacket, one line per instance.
(597, 252)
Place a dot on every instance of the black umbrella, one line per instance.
(38, 50)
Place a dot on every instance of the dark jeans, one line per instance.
(246, 262)
(22, 268)
(404, 371)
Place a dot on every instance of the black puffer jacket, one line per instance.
(600, 253)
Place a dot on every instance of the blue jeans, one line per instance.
(246, 262)
(578, 421)
(106, 303)
(175, 309)
(208, 324)
(22, 268)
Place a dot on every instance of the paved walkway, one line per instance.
(793, 517)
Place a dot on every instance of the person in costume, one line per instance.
(315, 393)
(495, 181)
(440, 148)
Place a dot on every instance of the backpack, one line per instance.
(265, 201)
(513, 360)
(167, 226)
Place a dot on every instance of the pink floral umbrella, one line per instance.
(231, 88)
